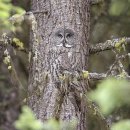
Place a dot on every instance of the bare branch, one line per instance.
(11, 41)
(14, 77)
(119, 58)
(37, 12)
(93, 2)
(10, 65)
(86, 75)
(108, 45)
(120, 65)
(94, 110)
(97, 76)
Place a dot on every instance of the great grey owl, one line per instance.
(65, 52)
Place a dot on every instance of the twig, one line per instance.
(14, 77)
(94, 110)
(43, 12)
(8, 61)
(97, 76)
(94, 76)
(93, 2)
(108, 45)
(10, 41)
(122, 57)
(120, 65)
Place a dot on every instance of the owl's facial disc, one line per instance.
(60, 35)
(64, 37)
(68, 46)
(69, 35)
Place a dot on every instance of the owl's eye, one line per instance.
(60, 35)
(69, 35)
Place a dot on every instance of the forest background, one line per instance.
(110, 19)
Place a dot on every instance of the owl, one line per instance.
(65, 52)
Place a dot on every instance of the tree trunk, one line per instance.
(62, 47)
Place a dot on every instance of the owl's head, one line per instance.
(64, 37)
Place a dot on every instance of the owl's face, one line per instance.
(64, 38)
(64, 49)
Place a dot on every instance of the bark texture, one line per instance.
(63, 34)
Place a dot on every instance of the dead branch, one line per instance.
(108, 45)
(93, 2)
(92, 76)
(10, 65)
(119, 58)
(12, 42)
(97, 76)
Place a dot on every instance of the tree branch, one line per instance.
(94, 110)
(86, 75)
(93, 2)
(10, 65)
(14, 42)
(97, 76)
(108, 45)
(122, 57)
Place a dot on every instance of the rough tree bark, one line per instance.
(62, 45)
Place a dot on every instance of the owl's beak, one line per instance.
(64, 42)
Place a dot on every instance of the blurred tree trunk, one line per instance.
(51, 91)
(9, 107)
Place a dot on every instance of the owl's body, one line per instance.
(65, 52)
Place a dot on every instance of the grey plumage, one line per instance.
(65, 52)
